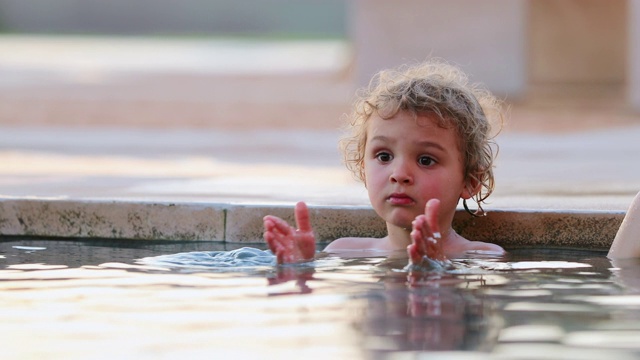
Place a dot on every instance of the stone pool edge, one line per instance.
(242, 223)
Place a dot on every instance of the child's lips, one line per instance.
(400, 199)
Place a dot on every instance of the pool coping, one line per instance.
(242, 223)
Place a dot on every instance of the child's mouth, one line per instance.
(399, 199)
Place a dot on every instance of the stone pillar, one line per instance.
(487, 39)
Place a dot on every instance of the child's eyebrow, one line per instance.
(380, 138)
(430, 144)
(422, 144)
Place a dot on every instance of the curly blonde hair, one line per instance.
(432, 87)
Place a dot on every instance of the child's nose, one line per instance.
(401, 173)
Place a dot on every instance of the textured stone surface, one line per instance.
(111, 220)
(243, 223)
(591, 230)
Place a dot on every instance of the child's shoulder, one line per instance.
(353, 243)
(469, 245)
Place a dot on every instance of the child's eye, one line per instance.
(383, 156)
(426, 161)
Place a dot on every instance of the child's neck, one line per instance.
(398, 238)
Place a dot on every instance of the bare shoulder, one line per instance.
(352, 243)
(484, 246)
(460, 246)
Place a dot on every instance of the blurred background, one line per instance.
(268, 81)
(198, 62)
(194, 63)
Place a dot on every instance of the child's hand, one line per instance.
(291, 245)
(425, 235)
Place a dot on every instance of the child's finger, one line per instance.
(274, 223)
(270, 239)
(414, 254)
(268, 224)
(302, 217)
(431, 212)
(418, 234)
(425, 230)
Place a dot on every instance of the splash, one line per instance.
(242, 258)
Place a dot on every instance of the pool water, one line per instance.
(136, 299)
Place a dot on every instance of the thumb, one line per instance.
(302, 217)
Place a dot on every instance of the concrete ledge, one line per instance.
(573, 229)
(111, 220)
(235, 223)
(244, 223)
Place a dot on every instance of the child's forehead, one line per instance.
(408, 120)
(412, 128)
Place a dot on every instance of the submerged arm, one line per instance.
(627, 241)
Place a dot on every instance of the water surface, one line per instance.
(92, 299)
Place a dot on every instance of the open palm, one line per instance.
(291, 245)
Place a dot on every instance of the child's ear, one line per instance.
(472, 187)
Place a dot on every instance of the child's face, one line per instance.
(409, 161)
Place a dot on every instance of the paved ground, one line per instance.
(213, 121)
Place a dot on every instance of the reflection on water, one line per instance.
(79, 300)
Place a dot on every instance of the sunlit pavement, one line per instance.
(592, 170)
(586, 169)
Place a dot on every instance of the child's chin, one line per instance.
(404, 221)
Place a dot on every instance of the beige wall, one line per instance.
(486, 38)
(577, 41)
(510, 45)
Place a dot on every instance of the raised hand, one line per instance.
(291, 245)
(425, 235)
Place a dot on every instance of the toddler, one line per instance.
(420, 140)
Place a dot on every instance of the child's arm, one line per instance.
(425, 235)
(627, 241)
(291, 245)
